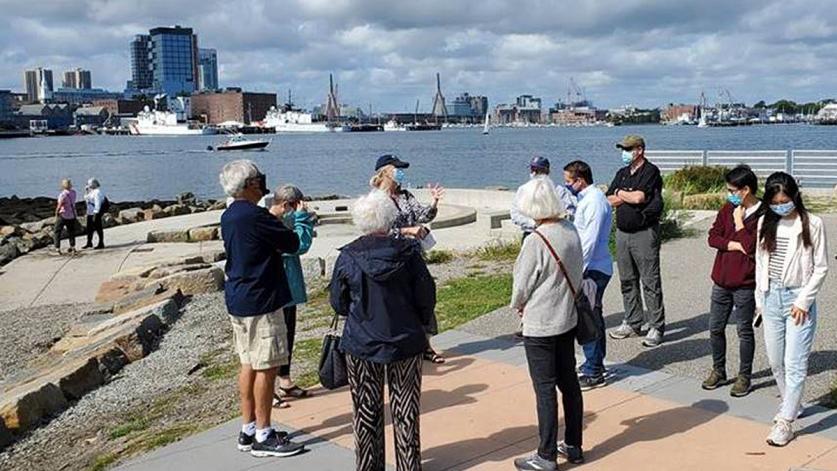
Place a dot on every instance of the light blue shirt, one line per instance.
(593, 218)
(527, 224)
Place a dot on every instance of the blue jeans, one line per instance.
(788, 346)
(595, 351)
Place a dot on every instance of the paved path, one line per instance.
(478, 412)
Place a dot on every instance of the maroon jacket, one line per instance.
(734, 270)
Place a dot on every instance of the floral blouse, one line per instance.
(410, 212)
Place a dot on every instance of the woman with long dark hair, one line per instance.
(791, 265)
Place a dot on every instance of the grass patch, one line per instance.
(462, 300)
(697, 179)
(435, 257)
(307, 357)
(498, 252)
(103, 461)
(821, 204)
(135, 425)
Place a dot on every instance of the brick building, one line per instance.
(231, 105)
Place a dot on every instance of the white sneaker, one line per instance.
(781, 433)
(653, 339)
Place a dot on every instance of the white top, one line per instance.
(94, 199)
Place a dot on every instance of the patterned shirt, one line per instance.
(784, 231)
(410, 212)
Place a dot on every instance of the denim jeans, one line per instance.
(723, 302)
(595, 351)
(552, 364)
(788, 346)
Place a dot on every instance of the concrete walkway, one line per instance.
(478, 412)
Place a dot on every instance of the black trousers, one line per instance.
(94, 224)
(60, 224)
(552, 364)
(366, 381)
(290, 324)
(723, 302)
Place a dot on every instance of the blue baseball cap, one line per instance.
(389, 159)
(540, 163)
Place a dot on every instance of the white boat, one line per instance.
(239, 142)
(485, 126)
(393, 125)
(290, 120)
(164, 123)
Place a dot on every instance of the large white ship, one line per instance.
(168, 123)
(290, 120)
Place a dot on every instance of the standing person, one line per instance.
(95, 199)
(409, 222)
(539, 170)
(289, 206)
(65, 216)
(593, 220)
(255, 292)
(734, 235)
(543, 297)
(791, 266)
(637, 194)
(382, 286)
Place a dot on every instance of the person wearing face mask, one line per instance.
(411, 218)
(733, 235)
(791, 266)
(593, 219)
(637, 195)
(539, 169)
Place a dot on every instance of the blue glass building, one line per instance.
(174, 60)
(207, 69)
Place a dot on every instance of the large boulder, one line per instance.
(187, 198)
(34, 227)
(154, 212)
(8, 252)
(168, 236)
(177, 210)
(23, 408)
(152, 295)
(118, 287)
(132, 215)
(200, 234)
(207, 280)
(109, 221)
(80, 379)
(6, 437)
(10, 231)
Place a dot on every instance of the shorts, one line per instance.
(261, 341)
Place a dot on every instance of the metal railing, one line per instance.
(812, 168)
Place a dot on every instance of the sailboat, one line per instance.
(485, 126)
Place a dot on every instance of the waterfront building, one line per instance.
(207, 69)
(78, 96)
(38, 85)
(576, 114)
(121, 107)
(232, 104)
(468, 108)
(6, 102)
(43, 116)
(174, 60)
(525, 110)
(78, 78)
(141, 73)
(680, 114)
(93, 116)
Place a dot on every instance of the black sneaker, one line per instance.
(591, 382)
(245, 442)
(573, 454)
(276, 445)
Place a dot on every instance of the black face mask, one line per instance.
(263, 184)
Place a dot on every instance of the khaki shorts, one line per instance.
(261, 341)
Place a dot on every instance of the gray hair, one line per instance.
(539, 200)
(93, 183)
(235, 174)
(374, 212)
(287, 194)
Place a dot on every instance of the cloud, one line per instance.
(384, 53)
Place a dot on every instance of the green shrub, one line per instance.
(438, 256)
(710, 201)
(499, 251)
(697, 179)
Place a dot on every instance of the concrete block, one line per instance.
(206, 280)
(200, 234)
(168, 236)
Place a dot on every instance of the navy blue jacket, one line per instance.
(254, 241)
(382, 285)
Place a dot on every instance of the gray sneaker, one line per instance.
(781, 433)
(535, 463)
(653, 339)
(622, 332)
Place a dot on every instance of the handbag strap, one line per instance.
(335, 322)
(557, 259)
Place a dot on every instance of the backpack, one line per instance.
(105, 205)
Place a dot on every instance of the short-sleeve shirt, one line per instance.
(637, 217)
(67, 204)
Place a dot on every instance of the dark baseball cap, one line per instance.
(389, 159)
(539, 163)
(631, 141)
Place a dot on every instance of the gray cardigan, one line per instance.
(540, 287)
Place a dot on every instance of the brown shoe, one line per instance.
(714, 381)
(741, 388)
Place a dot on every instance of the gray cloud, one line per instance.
(645, 53)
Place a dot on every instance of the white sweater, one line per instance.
(804, 267)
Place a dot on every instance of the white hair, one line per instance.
(539, 200)
(93, 183)
(374, 212)
(235, 174)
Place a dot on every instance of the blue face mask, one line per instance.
(572, 190)
(627, 157)
(783, 209)
(399, 176)
(734, 199)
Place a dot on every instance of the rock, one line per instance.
(111, 362)
(199, 234)
(24, 246)
(119, 287)
(6, 437)
(152, 295)
(139, 342)
(23, 408)
(168, 236)
(10, 231)
(81, 380)
(218, 205)
(197, 209)
(154, 212)
(109, 221)
(33, 227)
(177, 210)
(187, 198)
(214, 256)
(168, 270)
(207, 280)
(8, 252)
(132, 215)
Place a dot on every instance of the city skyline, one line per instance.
(384, 55)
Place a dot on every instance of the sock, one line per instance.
(249, 429)
(262, 434)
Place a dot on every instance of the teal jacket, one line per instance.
(303, 225)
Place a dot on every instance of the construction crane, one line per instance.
(575, 95)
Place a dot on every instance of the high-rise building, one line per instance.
(141, 76)
(174, 60)
(38, 84)
(78, 78)
(207, 69)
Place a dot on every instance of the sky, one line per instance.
(385, 54)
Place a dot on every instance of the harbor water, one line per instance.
(146, 167)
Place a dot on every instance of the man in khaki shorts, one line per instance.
(255, 291)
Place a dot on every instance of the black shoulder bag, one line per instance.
(333, 373)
